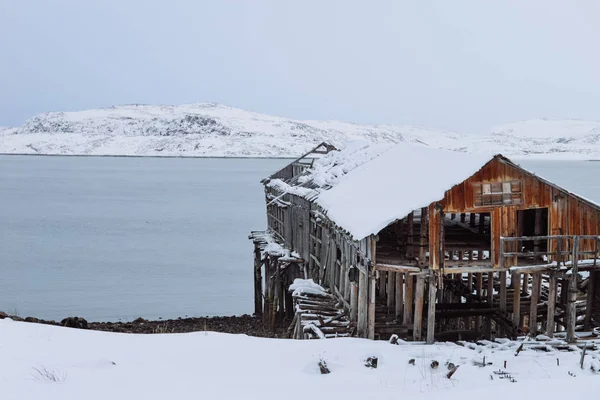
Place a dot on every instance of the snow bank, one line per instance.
(100, 366)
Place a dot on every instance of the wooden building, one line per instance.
(426, 244)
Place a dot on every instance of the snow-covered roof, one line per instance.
(402, 179)
(364, 187)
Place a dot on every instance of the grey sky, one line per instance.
(462, 65)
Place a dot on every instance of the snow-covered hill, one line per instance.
(209, 129)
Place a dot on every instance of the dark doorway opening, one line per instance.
(533, 222)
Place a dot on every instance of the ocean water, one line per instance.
(113, 239)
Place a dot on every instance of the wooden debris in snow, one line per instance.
(371, 362)
(519, 350)
(452, 371)
(323, 367)
(317, 312)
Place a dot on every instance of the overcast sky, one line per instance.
(460, 65)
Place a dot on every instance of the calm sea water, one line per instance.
(117, 238)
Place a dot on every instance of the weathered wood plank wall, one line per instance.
(567, 214)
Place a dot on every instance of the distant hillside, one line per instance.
(209, 129)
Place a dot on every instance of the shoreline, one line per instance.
(519, 157)
(236, 324)
(149, 156)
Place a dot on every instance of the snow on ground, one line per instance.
(99, 365)
(214, 130)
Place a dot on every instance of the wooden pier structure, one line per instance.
(500, 253)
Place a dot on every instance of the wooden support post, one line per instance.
(551, 305)
(535, 299)
(487, 327)
(573, 289)
(516, 318)
(371, 312)
(363, 299)
(538, 231)
(290, 311)
(525, 285)
(490, 289)
(268, 304)
(466, 321)
(442, 245)
(418, 321)
(502, 258)
(470, 282)
(279, 300)
(258, 304)
(590, 299)
(479, 291)
(472, 219)
(410, 250)
(399, 295)
(481, 223)
(559, 249)
(409, 300)
(353, 302)
(564, 295)
(593, 281)
(503, 292)
(390, 291)
(343, 274)
(431, 309)
(564, 291)
(381, 284)
(282, 295)
(479, 284)
(424, 237)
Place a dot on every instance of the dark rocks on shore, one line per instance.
(244, 324)
(74, 322)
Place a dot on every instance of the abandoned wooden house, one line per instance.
(424, 244)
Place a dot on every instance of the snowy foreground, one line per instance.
(215, 130)
(98, 365)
